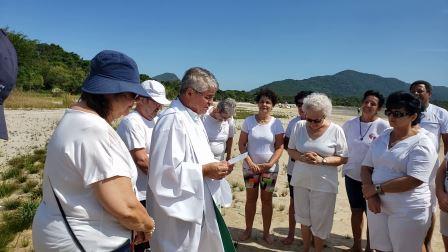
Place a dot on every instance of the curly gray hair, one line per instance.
(227, 106)
(317, 102)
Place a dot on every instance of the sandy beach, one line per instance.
(29, 129)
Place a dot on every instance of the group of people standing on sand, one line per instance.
(157, 181)
(391, 170)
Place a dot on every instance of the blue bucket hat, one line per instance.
(112, 72)
(8, 76)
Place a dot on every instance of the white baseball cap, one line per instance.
(156, 91)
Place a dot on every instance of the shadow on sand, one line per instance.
(256, 242)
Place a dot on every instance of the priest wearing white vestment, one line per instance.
(184, 176)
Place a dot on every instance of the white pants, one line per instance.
(399, 232)
(315, 210)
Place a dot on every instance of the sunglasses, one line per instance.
(317, 121)
(395, 113)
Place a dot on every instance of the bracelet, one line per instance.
(153, 228)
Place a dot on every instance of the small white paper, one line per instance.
(237, 158)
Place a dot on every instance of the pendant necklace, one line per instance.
(360, 133)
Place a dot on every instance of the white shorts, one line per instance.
(315, 210)
(399, 232)
(444, 223)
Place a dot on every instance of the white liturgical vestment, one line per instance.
(179, 198)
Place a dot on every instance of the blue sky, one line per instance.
(249, 43)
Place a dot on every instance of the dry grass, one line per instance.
(29, 100)
(18, 210)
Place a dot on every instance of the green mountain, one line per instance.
(166, 77)
(347, 83)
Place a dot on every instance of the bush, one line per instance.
(21, 218)
(7, 188)
(11, 204)
(28, 186)
(12, 172)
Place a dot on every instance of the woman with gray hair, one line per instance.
(220, 128)
(318, 146)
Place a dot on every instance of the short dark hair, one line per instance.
(300, 95)
(97, 102)
(269, 94)
(377, 95)
(428, 85)
(405, 100)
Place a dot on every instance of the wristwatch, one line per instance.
(324, 161)
(378, 189)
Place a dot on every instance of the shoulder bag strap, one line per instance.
(70, 231)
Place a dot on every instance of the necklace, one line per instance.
(262, 121)
(365, 133)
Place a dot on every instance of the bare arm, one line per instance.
(442, 196)
(332, 160)
(278, 146)
(141, 159)
(118, 199)
(373, 200)
(401, 184)
(242, 146)
(445, 143)
(286, 142)
(440, 178)
(229, 143)
(295, 154)
(366, 175)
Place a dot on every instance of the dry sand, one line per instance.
(29, 129)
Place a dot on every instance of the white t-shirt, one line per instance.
(322, 178)
(218, 132)
(136, 132)
(288, 132)
(435, 120)
(261, 139)
(414, 156)
(359, 136)
(83, 150)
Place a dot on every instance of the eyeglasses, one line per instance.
(419, 91)
(316, 121)
(395, 113)
(130, 96)
(208, 98)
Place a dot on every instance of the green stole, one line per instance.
(226, 238)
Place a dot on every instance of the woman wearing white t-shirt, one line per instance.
(298, 100)
(360, 132)
(220, 128)
(318, 146)
(261, 136)
(395, 175)
(89, 201)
